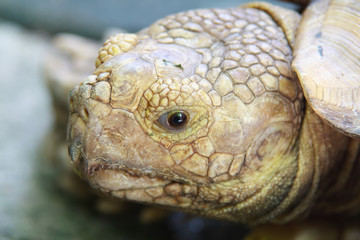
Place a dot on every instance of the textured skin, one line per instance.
(251, 151)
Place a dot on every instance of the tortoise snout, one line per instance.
(75, 135)
(79, 115)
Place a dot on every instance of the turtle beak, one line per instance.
(74, 140)
(75, 133)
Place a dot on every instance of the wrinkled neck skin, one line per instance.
(336, 167)
(328, 163)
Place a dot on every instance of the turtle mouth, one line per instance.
(117, 179)
(108, 177)
(139, 186)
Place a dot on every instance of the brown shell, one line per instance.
(327, 62)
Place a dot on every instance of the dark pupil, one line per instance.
(177, 119)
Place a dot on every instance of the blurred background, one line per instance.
(38, 198)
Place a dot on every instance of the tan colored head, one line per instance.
(200, 112)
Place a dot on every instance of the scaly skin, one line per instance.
(251, 151)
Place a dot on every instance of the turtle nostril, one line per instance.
(71, 104)
(84, 113)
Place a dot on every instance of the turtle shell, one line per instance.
(327, 62)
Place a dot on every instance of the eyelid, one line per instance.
(163, 119)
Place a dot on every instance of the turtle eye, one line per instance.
(174, 120)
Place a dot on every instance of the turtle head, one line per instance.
(189, 121)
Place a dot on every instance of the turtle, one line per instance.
(247, 114)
